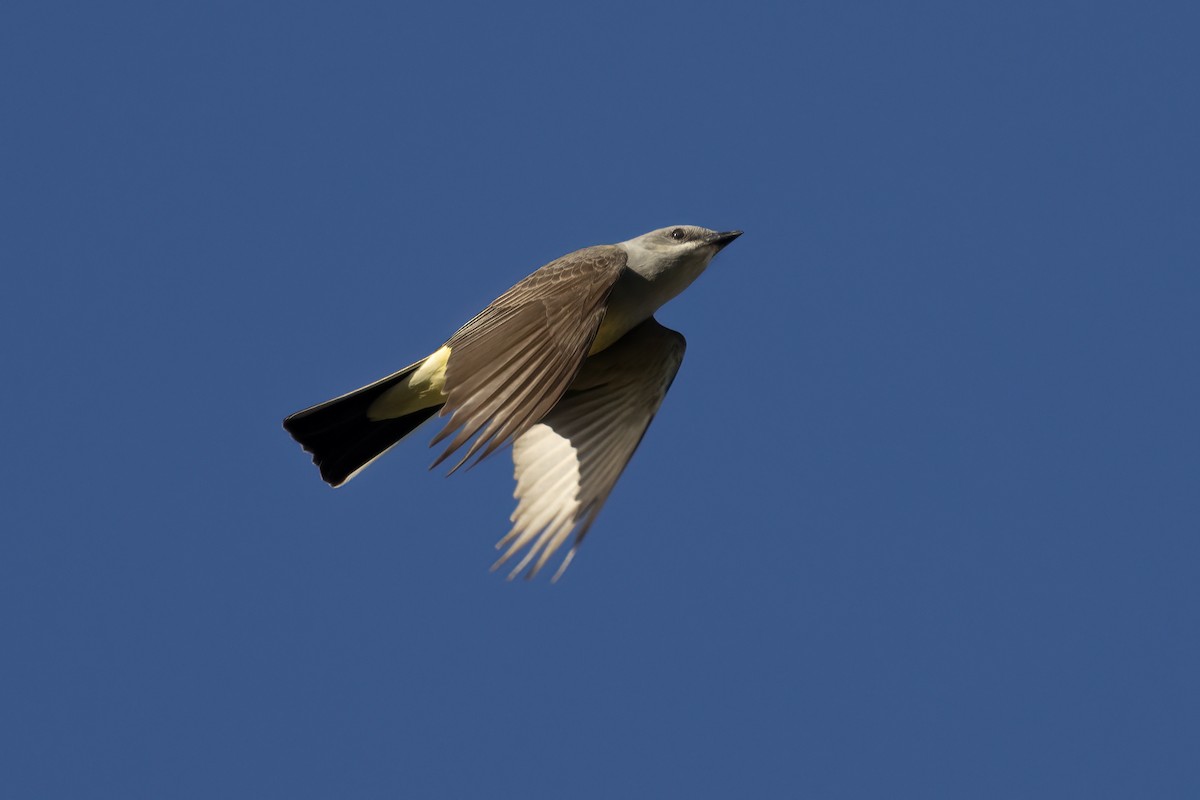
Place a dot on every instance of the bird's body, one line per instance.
(520, 366)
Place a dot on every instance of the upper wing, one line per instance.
(567, 464)
(510, 364)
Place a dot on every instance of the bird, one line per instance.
(569, 366)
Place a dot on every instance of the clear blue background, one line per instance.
(919, 517)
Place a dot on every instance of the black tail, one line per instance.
(340, 435)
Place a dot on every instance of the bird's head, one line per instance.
(680, 246)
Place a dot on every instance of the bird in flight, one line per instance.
(569, 365)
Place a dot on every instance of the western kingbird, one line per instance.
(569, 365)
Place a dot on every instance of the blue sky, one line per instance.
(918, 518)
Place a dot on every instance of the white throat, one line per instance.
(652, 277)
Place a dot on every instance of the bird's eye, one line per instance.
(678, 234)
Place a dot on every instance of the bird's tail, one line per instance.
(344, 436)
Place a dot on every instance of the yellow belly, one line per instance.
(614, 326)
(424, 388)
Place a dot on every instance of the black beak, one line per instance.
(719, 240)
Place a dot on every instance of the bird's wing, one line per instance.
(510, 364)
(567, 464)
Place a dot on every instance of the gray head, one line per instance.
(687, 248)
